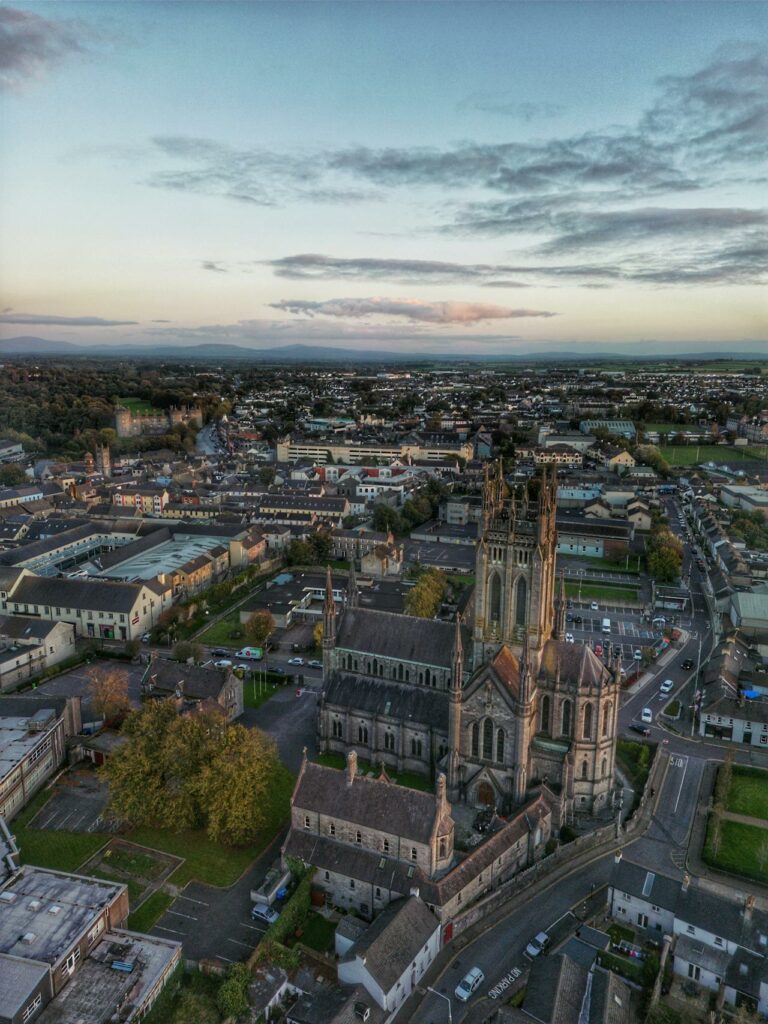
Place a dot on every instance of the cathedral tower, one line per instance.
(454, 715)
(329, 627)
(515, 567)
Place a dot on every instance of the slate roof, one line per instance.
(609, 999)
(578, 663)
(74, 593)
(374, 803)
(555, 990)
(335, 1006)
(391, 943)
(378, 697)
(427, 641)
(25, 627)
(197, 682)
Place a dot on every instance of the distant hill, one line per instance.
(299, 353)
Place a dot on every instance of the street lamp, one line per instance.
(436, 993)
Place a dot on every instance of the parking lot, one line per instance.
(76, 682)
(77, 804)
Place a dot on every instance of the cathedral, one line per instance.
(501, 705)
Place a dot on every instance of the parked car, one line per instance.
(265, 914)
(639, 727)
(595, 606)
(577, 620)
(667, 686)
(251, 653)
(469, 984)
(569, 638)
(314, 663)
(484, 819)
(219, 652)
(569, 617)
(537, 945)
(646, 715)
(687, 665)
(295, 661)
(638, 655)
(224, 663)
(146, 638)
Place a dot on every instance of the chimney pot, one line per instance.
(351, 767)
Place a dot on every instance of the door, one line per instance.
(485, 795)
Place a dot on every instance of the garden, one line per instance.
(739, 846)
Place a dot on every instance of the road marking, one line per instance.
(500, 987)
(252, 927)
(179, 914)
(682, 780)
(238, 943)
(162, 928)
(220, 957)
(192, 900)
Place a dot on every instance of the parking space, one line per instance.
(77, 804)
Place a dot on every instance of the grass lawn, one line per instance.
(138, 405)
(410, 779)
(318, 933)
(211, 862)
(254, 695)
(62, 851)
(691, 454)
(597, 592)
(741, 849)
(193, 1002)
(749, 792)
(622, 965)
(606, 565)
(219, 633)
(134, 862)
(135, 889)
(619, 934)
(150, 911)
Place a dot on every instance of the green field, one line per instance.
(150, 911)
(598, 592)
(138, 406)
(743, 849)
(62, 851)
(692, 455)
(748, 793)
(219, 634)
(410, 779)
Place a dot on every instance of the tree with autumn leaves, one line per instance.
(193, 771)
(108, 692)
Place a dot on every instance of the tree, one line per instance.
(12, 476)
(267, 475)
(724, 777)
(232, 996)
(317, 635)
(259, 627)
(108, 691)
(136, 771)
(425, 598)
(234, 784)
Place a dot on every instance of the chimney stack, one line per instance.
(749, 906)
(686, 882)
(351, 767)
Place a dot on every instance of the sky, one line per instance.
(433, 177)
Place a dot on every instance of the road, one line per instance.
(207, 442)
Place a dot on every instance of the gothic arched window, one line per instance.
(545, 713)
(475, 740)
(428, 677)
(488, 739)
(400, 671)
(494, 598)
(587, 722)
(389, 741)
(375, 667)
(521, 600)
(607, 715)
(604, 768)
(416, 747)
(566, 718)
(500, 745)
(362, 734)
(337, 728)
(584, 769)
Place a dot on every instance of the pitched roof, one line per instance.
(391, 943)
(197, 682)
(71, 593)
(578, 663)
(416, 705)
(388, 635)
(555, 990)
(374, 803)
(609, 1001)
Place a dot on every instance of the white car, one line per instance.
(595, 606)
(646, 716)
(638, 655)
(265, 914)
(667, 686)
(224, 663)
(469, 984)
(569, 638)
(146, 638)
(295, 661)
(537, 945)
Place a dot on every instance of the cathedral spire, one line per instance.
(329, 627)
(454, 715)
(560, 606)
(458, 656)
(352, 594)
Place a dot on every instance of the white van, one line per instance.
(606, 625)
(251, 653)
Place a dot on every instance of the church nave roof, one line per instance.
(408, 703)
(400, 637)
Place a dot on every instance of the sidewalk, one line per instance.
(669, 655)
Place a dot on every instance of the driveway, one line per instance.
(290, 720)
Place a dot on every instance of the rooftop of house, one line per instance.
(389, 946)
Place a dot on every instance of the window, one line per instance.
(521, 596)
(443, 848)
(488, 739)
(378, 893)
(35, 1005)
(327, 876)
(362, 734)
(415, 747)
(332, 828)
(566, 718)
(475, 740)
(545, 712)
(587, 721)
(307, 821)
(607, 715)
(694, 971)
(389, 741)
(604, 768)
(351, 883)
(718, 941)
(584, 770)
(359, 837)
(494, 598)
(337, 728)
(385, 845)
(414, 853)
(500, 745)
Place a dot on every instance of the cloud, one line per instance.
(504, 103)
(62, 321)
(411, 309)
(31, 45)
(215, 265)
(317, 267)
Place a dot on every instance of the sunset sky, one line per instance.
(436, 177)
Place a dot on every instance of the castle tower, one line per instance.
(104, 461)
(329, 628)
(515, 568)
(454, 715)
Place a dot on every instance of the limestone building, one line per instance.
(501, 704)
